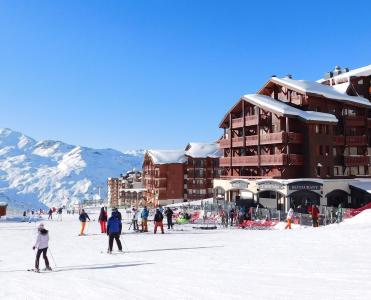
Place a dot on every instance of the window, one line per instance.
(318, 128)
(326, 129)
(318, 171)
(334, 151)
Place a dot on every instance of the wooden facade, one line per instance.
(259, 142)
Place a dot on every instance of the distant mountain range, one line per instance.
(39, 174)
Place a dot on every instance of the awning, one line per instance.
(362, 185)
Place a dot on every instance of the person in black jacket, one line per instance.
(114, 229)
(169, 216)
(103, 220)
(158, 221)
(83, 217)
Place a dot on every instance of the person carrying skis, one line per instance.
(144, 215)
(169, 216)
(114, 228)
(158, 221)
(135, 219)
(50, 213)
(83, 217)
(42, 243)
(103, 220)
(290, 216)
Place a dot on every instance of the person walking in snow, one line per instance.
(103, 220)
(134, 220)
(59, 213)
(169, 216)
(114, 229)
(290, 216)
(50, 213)
(83, 218)
(158, 221)
(42, 244)
(144, 215)
(32, 217)
(231, 216)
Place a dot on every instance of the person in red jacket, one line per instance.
(315, 213)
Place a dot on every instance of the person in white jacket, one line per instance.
(42, 243)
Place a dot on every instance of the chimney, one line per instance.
(288, 76)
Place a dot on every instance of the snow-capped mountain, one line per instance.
(51, 173)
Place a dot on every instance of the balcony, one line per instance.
(356, 140)
(354, 121)
(265, 160)
(356, 160)
(265, 139)
(249, 121)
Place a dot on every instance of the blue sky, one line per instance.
(158, 74)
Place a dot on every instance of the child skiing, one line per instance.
(114, 228)
(42, 243)
(103, 220)
(83, 216)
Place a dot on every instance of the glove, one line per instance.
(33, 248)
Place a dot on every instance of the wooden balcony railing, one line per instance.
(356, 160)
(265, 160)
(356, 140)
(249, 121)
(268, 138)
(352, 121)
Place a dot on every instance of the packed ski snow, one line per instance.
(51, 173)
(329, 262)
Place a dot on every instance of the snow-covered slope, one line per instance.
(55, 173)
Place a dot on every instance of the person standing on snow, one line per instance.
(290, 216)
(103, 220)
(339, 214)
(135, 219)
(114, 228)
(158, 221)
(169, 216)
(144, 215)
(42, 243)
(50, 213)
(83, 217)
(315, 215)
(59, 213)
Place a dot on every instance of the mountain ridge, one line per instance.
(52, 173)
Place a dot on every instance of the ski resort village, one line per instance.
(186, 150)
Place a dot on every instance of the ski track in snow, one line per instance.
(305, 263)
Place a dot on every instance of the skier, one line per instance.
(50, 213)
(32, 217)
(315, 213)
(135, 219)
(59, 213)
(83, 216)
(231, 216)
(114, 228)
(290, 216)
(103, 220)
(169, 216)
(41, 245)
(144, 215)
(339, 214)
(24, 216)
(158, 221)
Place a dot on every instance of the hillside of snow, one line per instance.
(52, 173)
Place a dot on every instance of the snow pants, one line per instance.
(315, 222)
(169, 222)
(161, 226)
(103, 227)
(38, 254)
(288, 225)
(144, 225)
(113, 236)
(83, 224)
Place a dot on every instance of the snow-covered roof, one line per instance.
(342, 87)
(364, 71)
(363, 185)
(160, 157)
(326, 91)
(203, 150)
(271, 104)
(3, 204)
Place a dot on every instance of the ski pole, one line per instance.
(51, 254)
(127, 249)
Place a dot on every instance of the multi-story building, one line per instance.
(297, 142)
(172, 176)
(113, 191)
